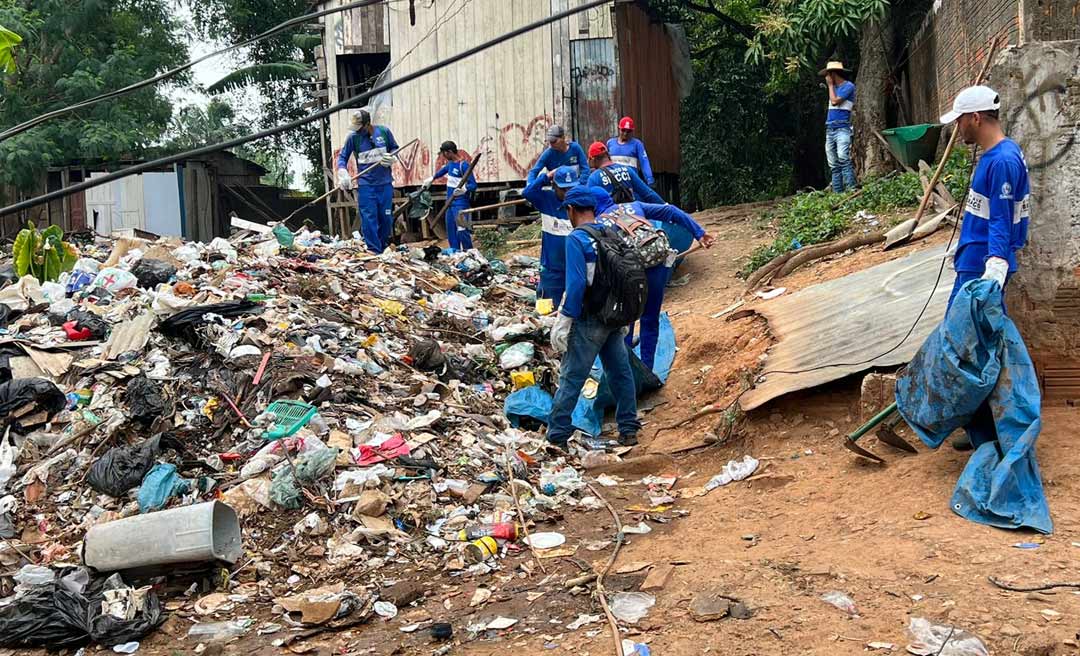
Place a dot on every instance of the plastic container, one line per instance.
(198, 533)
(289, 417)
(912, 143)
(501, 531)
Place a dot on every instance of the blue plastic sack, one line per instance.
(976, 356)
(159, 485)
(531, 402)
(588, 414)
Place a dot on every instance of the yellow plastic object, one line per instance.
(393, 308)
(544, 306)
(592, 386)
(522, 379)
(370, 341)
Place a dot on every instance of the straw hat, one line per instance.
(834, 66)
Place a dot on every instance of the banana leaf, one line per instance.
(52, 258)
(23, 251)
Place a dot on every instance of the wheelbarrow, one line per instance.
(890, 418)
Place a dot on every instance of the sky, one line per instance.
(212, 70)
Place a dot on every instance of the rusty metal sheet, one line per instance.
(593, 81)
(851, 321)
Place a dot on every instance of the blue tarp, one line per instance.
(589, 413)
(976, 357)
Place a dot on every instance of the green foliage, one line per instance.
(287, 71)
(8, 41)
(72, 51)
(44, 255)
(819, 216)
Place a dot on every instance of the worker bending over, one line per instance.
(619, 180)
(370, 144)
(555, 226)
(560, 152)
(581, 335)
(629, 150)
(998, 203)
(458, 191)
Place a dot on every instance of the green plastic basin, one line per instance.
(912, 143)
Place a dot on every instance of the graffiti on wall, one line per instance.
(1042, 112)
(522, 145)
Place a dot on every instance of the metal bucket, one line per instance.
(198, 533)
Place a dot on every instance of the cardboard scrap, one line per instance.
(658, 577)
(315, 606)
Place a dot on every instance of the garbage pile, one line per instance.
(258, 435)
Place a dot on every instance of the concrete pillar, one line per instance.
(1039, 84)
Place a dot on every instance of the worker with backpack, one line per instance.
(605, 291)
(622, 182)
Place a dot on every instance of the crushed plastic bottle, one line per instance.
(219, 631)
(931, 638)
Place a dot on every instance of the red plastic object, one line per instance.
(76, 334)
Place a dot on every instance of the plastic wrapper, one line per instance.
(310, 467)
(123, 468)
(932, 638)
(517, 355)
(630, 607)
(841, 601)
(159, 485)
(150, 272)
(14, 394)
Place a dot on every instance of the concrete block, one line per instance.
(878, 391)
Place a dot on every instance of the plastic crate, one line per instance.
(289, 417)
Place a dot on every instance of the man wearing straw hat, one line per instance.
(838, 131)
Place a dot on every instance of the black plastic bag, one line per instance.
(146, 399)
(52, 615)
(14, 394)
(8, 275)
(123, 467)
(97, 326)
(150, 272)
(182, 325)
(7, 315)
(427, 355)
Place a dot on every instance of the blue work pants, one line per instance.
(376, 204)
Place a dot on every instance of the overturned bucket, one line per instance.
(192, 534)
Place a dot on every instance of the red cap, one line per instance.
(626, 123)
(596, 149)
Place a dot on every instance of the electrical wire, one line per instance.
(292, 125)
(292, 22)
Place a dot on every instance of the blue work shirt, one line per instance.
(368, 150)
(552, 159)
(580, 255)
(554, 224)
(632, 154)
(839, 116)
(454, 172)
(997, 210)
(601, 177)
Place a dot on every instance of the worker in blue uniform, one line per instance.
(459, 191)
(370, 144)
(658, 276)
(555, 226)
(581, 337)
(999, 202)
(628, 150)
(619, 180)
(560, 152)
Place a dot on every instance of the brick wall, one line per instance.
(950, 47)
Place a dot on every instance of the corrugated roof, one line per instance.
(851, 319)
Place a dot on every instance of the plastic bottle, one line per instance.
(217, 631)
(500, 531)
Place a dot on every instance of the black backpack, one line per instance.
(619, 289)
(621, 191)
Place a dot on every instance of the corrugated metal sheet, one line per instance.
(647, 85)
(593, 77)
(851, 320)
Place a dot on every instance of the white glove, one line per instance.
(344, 181)
(997, 269)
(427, 183)
(387, 160)
(460, 191)
(560, 332)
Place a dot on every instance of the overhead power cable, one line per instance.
(292, 22)
(292, 125)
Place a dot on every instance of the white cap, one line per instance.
(971, 100)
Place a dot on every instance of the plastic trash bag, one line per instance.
(427, 355)
(97, 326)
(14, 394)
(60, 614)
(735, 470)
(115, 280)
(528, 403)
(284, 236)
(150, 273)
(159, 485)
(146, 399)
(630, 607)
(124, 467)
(183, 324)
(517, 355)
(310, 467)
(943, 640)
(7, 315)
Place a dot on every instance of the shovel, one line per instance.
(886, 434)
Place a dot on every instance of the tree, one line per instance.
(8, 41)
(194, 126)
(72, 51)
(278, 67)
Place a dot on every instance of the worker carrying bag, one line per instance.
(650, 243)
(617, 294)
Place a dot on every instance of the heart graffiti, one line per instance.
(522, 145)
